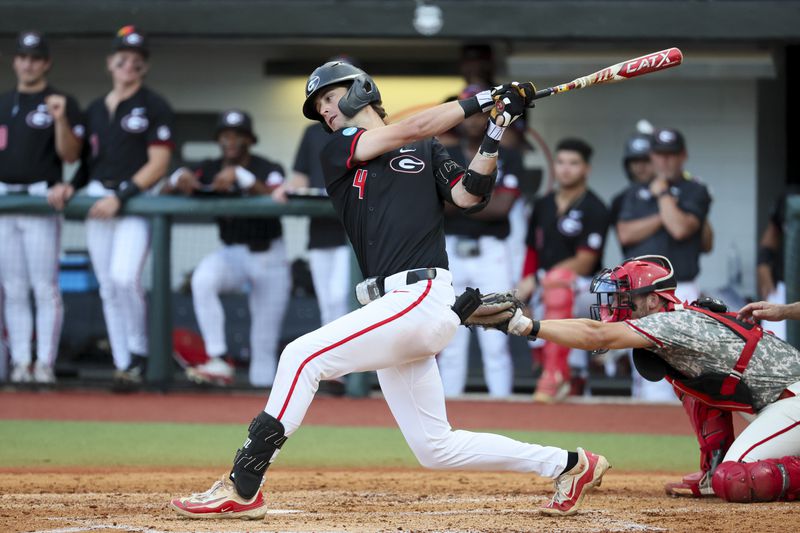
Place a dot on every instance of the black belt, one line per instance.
(412, 276)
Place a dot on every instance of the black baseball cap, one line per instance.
(130, 38)
(32, 43)
(238, 120)
(668, 141)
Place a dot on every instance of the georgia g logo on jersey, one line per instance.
(136, 121)
(39, 118)
(407, 164)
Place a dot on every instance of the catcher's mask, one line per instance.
(641, 275)
(361, 92)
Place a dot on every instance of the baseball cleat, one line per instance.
(221, 501)
(216, 372)
(43, 374)
(21, 373)
(572, 486)
(551, 388)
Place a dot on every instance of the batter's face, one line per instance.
(570, 169)
(234, 144)
(669, 165)
(641, 170)
(29, 69)
(327, 104)
(127, 67)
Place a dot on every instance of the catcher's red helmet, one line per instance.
(640, 275)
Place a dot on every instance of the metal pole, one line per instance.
(160, 366)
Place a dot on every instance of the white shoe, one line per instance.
(216, 371)
(43, 374)
(221, 501)
(21, 373)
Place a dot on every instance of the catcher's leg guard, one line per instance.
(265, 437)
(762, 481)
(558, 297)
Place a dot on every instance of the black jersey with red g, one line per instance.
(256, 233)
(557, 236)
(119, 142)
(392, 206)
(27, 137)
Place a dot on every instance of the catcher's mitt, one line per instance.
(502, 311)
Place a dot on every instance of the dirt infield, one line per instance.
(368, 500)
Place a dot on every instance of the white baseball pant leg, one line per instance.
(774, 433)
(489, 272)
(118, 249)
(330, 273)
(270, 284)
(398, 335)
(30, 261)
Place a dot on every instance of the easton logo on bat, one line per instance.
(655, 61)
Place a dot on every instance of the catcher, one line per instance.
(716, 362)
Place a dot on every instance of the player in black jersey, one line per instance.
(388, 184)
(253, 254)
(40, 128)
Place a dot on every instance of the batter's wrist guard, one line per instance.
(480, 103)
(127, 190)
(265, 437)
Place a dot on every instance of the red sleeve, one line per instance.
(531, 262)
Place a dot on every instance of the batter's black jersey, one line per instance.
(119, 142)
(509, 168)
(693, 197)
(27, 137)
(557, 237)
(391, 207)
(256, 233)
(322, 232)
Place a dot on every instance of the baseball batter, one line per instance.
(388, 184)
(717, 362)
(253, 254)
(130, 141)
(40, 127)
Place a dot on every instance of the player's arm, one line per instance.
(678, 223)
(68, 144)
(630, 232)
(707, 238)
(770, 311)
(157, 164)
(298, 180)
(498, 207)
(586, 334)
(582, 263)
(768, 248)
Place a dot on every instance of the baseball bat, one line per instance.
(639, 66)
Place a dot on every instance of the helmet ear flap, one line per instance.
(361, 93)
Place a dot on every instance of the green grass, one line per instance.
(31, 443)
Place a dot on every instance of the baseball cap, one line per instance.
(236, 119)
(32, 43)
(668, 141)
(638, 147)
(130, 38)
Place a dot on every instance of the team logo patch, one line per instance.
(313, 83)
(163, 133)
(595, 241)
(39, 118)
(570, 226)
(133, 39)
(347, 132)
(233, 118)
(31, 40)
(79, 130)
(135, 122)
(407, 164)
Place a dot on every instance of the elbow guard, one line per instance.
(479, 184)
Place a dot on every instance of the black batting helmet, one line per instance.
(361, 93)
(637, 147)
(238, 120)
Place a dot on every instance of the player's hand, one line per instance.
(59, 194)
(187, 183)
(508, 107)
(224, 180)
(105, 208)
(658, 186)
(762, 311)
(281, 194)
(526, 288)
(56, 105)
(526, 90)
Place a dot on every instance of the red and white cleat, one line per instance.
(572, 486)
(221, 501)
(215, 372)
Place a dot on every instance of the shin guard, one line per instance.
(265, 437)
(761, 481)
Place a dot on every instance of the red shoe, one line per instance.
(551, 387)
(221, 501)
(572, 486)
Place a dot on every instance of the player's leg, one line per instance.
(18, 314)
(42, 243)
(270, 283)
(775, 432)
(99, 240)
(453, 360)
(330, 273)
(558, 298)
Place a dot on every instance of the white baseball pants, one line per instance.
(330, 273)
(265, 276)
(490, 272)
(398, 336)
(29, 262)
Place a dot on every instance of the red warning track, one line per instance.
(240, 408)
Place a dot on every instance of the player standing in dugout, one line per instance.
(40, 127)
(388, 183)
(130, 141)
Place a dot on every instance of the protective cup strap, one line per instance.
(265, 437)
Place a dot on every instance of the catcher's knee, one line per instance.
(264, 438)
(761, 481)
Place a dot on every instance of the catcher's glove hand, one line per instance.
(502, 311)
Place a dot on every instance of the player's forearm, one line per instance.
(497, 208)
(631, 232)
(152, 171)
(68, 145)
(580, 333)
(679, 224)
(431, 122)
(791, 311)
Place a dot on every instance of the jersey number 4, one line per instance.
(360, 182)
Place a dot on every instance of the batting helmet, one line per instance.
(637, 148)
(640, 275)
(361, 93)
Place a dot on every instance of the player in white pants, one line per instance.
(130, 141)
(39, 129)
(391, 204)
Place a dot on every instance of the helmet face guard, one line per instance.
(614, 302)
